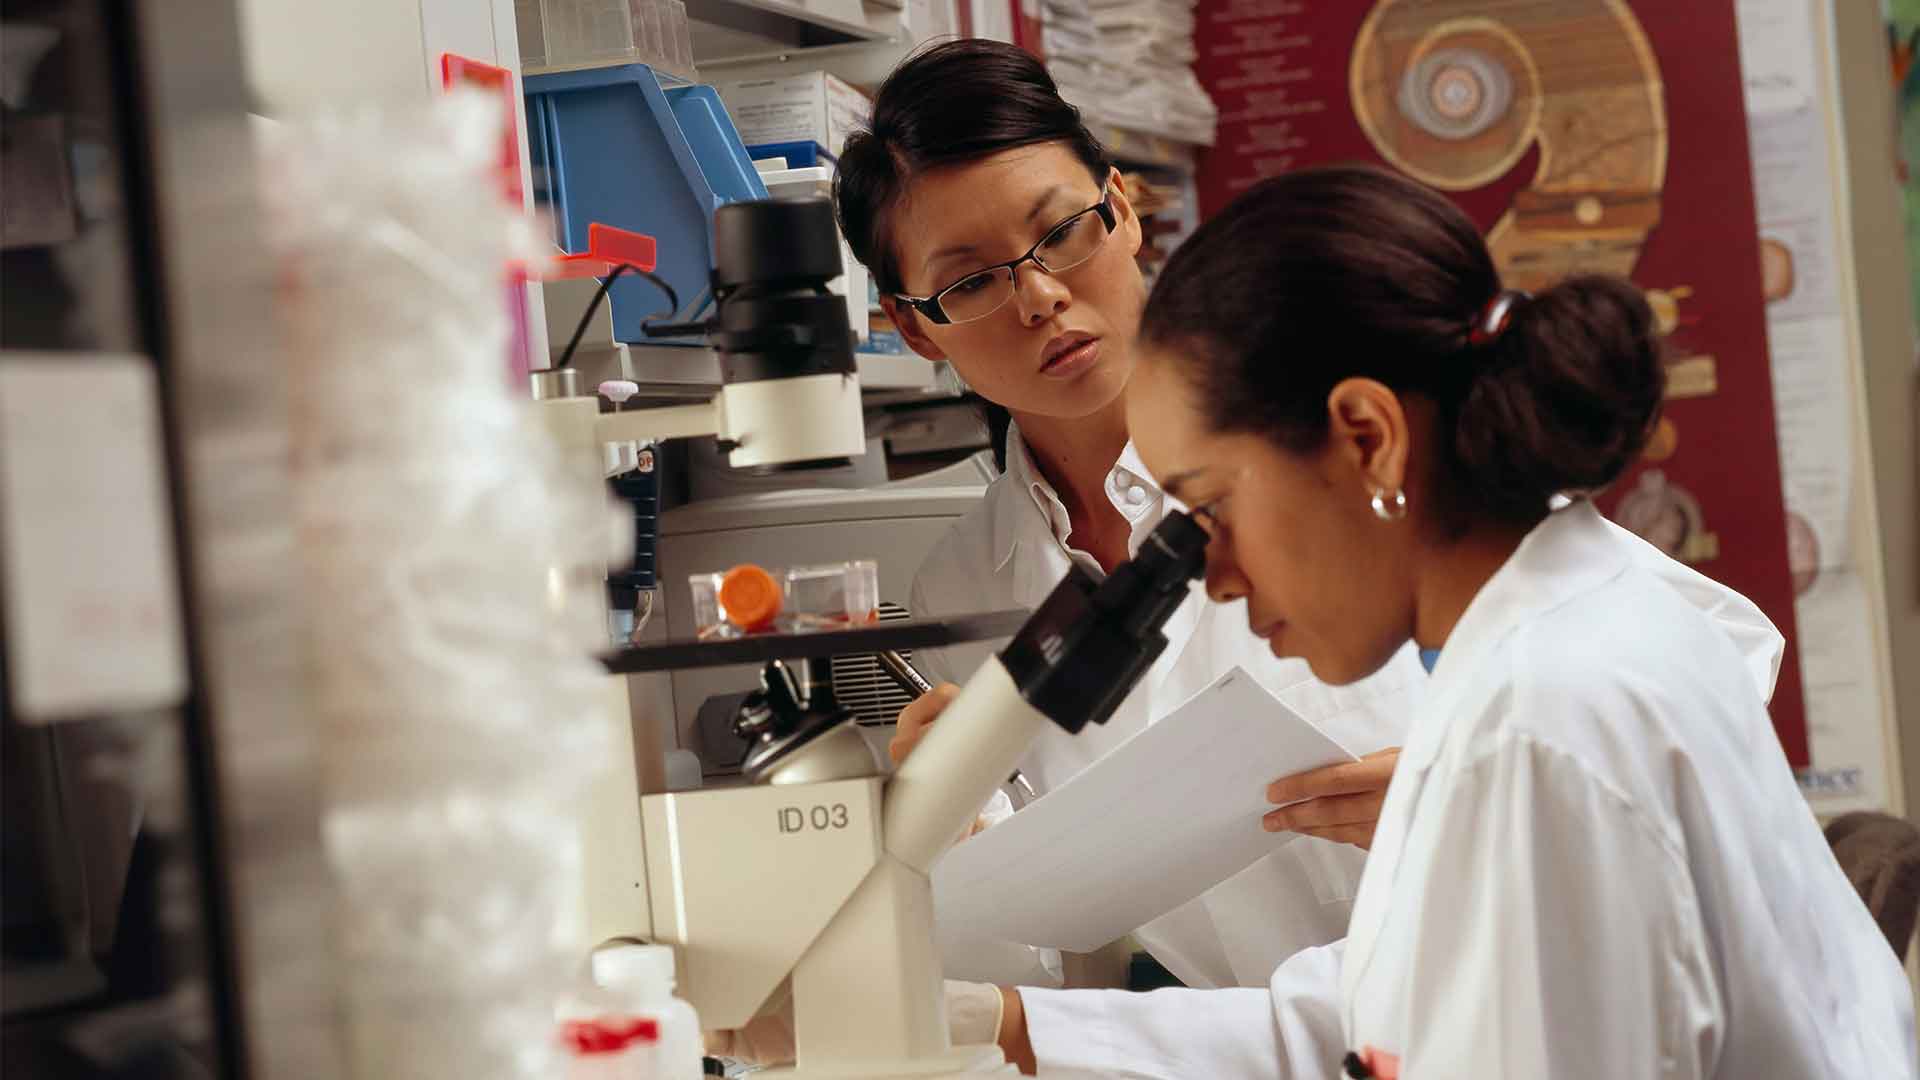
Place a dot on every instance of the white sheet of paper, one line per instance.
(1173, 812)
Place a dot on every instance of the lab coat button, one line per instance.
(1136, 495)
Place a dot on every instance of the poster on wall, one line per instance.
(1903, 37)
(1582, 136)
(1809, 315)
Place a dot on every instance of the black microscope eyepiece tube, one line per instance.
(1087, 645)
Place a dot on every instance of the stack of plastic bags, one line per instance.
(1129, 63)
(449, 563)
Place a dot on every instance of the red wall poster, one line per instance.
(1582, 135)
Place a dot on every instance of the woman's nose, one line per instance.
(1225, 582)
(1040, 295)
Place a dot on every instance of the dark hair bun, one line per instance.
(1565, 399)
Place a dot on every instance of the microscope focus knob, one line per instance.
(756, 719)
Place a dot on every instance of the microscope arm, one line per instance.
(658, 424)
(867, 995)
(824, 884)
(1071, 664)
(768, 422)
(936, 793)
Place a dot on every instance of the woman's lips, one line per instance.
(1073, 358)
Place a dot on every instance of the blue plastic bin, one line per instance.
(609, 145)
(798, 155)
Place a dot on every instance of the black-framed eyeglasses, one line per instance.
(984, 292)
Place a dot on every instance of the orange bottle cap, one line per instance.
(750, 597)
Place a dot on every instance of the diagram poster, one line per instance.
(1583, 136)
(1903, 34)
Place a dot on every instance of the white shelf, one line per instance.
(806, 16)
(725, 31)
(863, 63)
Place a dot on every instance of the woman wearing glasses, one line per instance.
(1003, 242)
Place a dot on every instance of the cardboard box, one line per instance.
(813, 106)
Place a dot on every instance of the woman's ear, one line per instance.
(1368, 432)
(1125, 221)
(912, 329)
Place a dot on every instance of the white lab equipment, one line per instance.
(894, 525)
(847, 851)
(789, 394)
(788, 389)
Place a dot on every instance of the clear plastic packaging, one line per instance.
(585, 33)
(750, 599)
(679, 39)
(649, 32)
(455, 560)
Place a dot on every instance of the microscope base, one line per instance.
(961, 1063)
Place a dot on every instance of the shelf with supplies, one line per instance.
(727, 31)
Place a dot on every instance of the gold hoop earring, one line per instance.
(1389, 508)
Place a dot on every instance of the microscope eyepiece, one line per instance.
(1084, 648)
(776, 318)
(775, 241)
(1175, 550)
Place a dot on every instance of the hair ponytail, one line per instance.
(1564, 399)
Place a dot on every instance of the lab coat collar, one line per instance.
(1028, 541)
(1024, 477)
(1566, 556)
(1026, 481)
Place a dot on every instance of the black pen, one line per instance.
(913, 682)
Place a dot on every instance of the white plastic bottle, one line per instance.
(643, 978)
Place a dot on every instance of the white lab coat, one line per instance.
(1593, 862)
(1011, 550)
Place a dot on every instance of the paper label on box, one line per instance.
(776, 122)
(815, 107)
(92, 609)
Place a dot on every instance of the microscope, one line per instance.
(812, 879)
